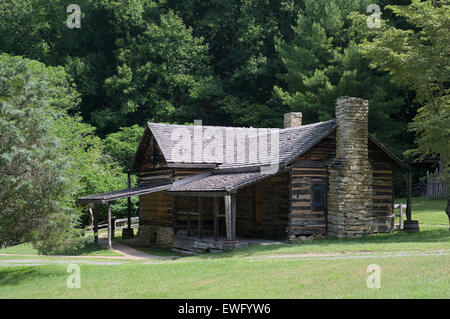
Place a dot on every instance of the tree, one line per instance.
(36, 202)
(94, 169)
(419, 56)
(323, 61)
(241, 37)
(163, 73)
(36, 29)
(122, 145)
(48, 158)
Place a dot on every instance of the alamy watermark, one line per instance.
(230, 146)
(74, 19)
(374, 20)
(374, 279)
(74, 279)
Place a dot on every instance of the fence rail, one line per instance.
(123, 222)
(400, 216)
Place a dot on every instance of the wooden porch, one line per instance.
(208, 244)
(214, 220)
(189, 237)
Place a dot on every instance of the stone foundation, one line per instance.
(155, 235)
(350, 194)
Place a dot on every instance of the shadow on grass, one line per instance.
(151, 250)
(428, 235)
(16, 275)
(89, 249)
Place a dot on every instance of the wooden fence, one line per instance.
(118, 224)
(435, 185)
(401, 216)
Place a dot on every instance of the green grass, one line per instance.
(427, 212)
(401, 277)
(249, 273)
(430, 238)
(89, 250)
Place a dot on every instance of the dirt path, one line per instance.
(354, 255)
(127, 253)
(131, 253)
(43, 262)
(66, 256)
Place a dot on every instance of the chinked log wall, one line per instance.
(156, 209)
(383, 190)
(274, 198)
(307, 169)
(262, 209)
(311, 167)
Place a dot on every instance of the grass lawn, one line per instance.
(430, 238)
(401, 277)
(276, 271)
(89, 250)
(427, 212)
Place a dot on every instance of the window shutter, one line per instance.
(318, 196)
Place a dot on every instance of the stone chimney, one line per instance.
(292, 119)
(350, 173)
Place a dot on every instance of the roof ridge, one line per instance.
(307, 125)
(218, 126)
(242, 127)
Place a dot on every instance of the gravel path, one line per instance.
(353, 255)
(40, 261)
(131, 253)
(127, 253)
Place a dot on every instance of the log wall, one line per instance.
(383, 189)
(277, 207)
(312, 167)
(262, 209)
(308, 169)
(156, 210)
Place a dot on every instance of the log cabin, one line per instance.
(205, 188)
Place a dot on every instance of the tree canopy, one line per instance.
(47, 157)
(420, 56)
(74, 101)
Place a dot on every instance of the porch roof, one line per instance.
(124, 193)
(221, 182)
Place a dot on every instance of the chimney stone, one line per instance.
(292, 119)
(350, 194)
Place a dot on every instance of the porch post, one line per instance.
(113, 227)
(200, 218)
(408, 196)
(109, 227)
(128, 233)
(230, 217)
(95, 222)
(188, 217)
(216, 219)
(233, 216)
(409, 225)
(129, 201)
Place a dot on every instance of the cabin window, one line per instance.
(318, 197)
